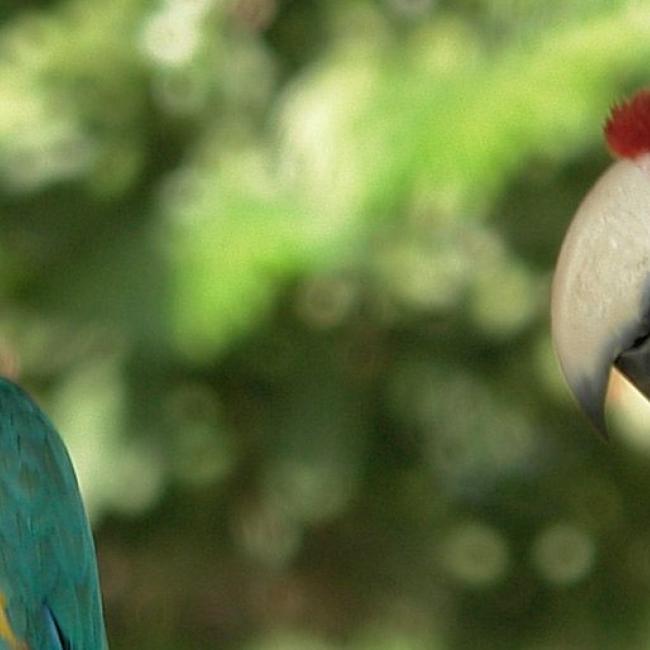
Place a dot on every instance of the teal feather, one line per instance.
(48, 570)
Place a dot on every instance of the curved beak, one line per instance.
(600, 304)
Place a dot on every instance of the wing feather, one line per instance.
(47, 555)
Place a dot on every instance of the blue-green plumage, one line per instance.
(49, 589)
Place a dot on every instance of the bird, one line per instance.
(49, 586)
(600, 295)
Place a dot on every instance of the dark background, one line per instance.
(279, 271)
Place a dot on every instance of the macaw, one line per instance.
(600, 302)
(49, 587)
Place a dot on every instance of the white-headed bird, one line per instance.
(600, 305)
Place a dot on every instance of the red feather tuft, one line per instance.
(627, 129)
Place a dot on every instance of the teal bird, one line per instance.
(49, 587)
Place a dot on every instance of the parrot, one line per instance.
(49, 586)
(600, 294)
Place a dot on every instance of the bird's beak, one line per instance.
(600, 305)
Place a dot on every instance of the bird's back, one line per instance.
(49, 590)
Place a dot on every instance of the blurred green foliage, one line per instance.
(279, 271)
